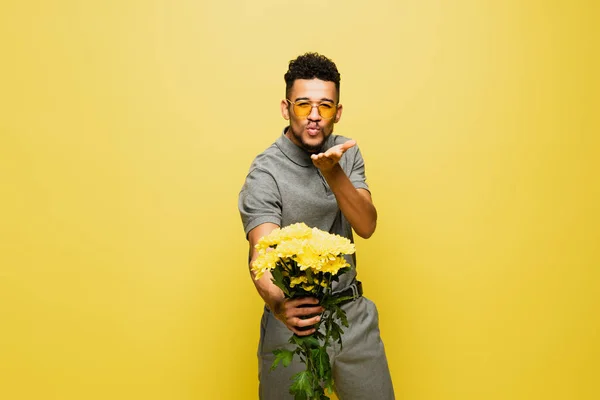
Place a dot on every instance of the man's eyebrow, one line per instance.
(306, 98)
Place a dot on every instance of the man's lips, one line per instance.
(313, 130)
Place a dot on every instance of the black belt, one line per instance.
(355, 291)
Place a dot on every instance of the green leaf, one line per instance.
(336, 333)
(309, 276)
(302, 384)
(338, 300)
(278, 280)
(309, 340)
(326, 302)
(301, 396)
(283, 356)
(318, 335)
(329, 385)
(341, 314)
(323, 363)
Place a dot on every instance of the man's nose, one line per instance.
(314, 114)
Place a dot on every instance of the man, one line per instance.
(310, 175)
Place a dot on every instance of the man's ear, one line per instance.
(285, 111)
(338, 113)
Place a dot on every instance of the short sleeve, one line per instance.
(259, 200)
(357, 173)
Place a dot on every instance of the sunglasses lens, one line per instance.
(302, 109)
(327, 111)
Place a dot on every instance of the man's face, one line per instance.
(311, 131)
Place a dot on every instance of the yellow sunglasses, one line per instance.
(303, 108)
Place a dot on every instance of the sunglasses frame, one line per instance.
(313, 105)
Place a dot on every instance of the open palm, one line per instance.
(327, 160)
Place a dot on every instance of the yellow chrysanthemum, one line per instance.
(308, 258)
(280, 235)
(295, 231)
(308, 288)
(298, 280)
(310, 248)
(290, 248)
(265, 261)
(329, 244)
(333, 266)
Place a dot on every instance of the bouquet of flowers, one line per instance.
(304, 262)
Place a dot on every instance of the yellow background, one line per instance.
(126, 131)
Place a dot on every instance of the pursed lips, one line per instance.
(313, 130)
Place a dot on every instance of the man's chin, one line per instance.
(313, 146)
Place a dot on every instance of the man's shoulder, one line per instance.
(268, 158)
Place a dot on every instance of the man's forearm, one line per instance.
(270, 293)
(357, 207)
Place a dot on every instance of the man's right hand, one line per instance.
(299, 315)
(292, 312)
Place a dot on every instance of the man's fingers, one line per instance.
(340, 149)
(296, 309)
(303, 311)
(347, 145)
(301, 323)
(302, 307)
(337, 150)
(320, 156)
(302, 332)
(302, 301)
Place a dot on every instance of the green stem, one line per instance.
(310, 366)
(329, 317)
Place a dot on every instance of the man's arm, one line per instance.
(287, 311)
(356, 204)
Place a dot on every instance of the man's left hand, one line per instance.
(326, 161)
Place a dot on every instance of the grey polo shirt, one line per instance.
(284, 187)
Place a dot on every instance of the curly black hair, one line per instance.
(311, 66)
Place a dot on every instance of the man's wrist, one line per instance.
(332, 173)
(274, 303)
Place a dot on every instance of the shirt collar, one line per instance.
(297, 154)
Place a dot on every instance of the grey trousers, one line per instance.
(360, 369)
